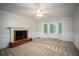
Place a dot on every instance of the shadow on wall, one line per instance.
(76, 40)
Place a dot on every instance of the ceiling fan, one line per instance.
(39, 12)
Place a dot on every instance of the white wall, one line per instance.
(67, 28)
(75, 27)
(12, 20)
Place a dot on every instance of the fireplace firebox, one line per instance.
(20, 34)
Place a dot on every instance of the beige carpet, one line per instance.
(44, 47)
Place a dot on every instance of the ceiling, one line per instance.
(51, 9)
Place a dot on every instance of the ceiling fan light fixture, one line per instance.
(40, 13)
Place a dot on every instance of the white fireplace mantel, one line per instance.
(16, 28)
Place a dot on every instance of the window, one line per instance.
(45, 28)
(53, 28)
(60, 27)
